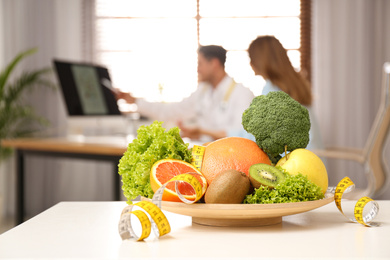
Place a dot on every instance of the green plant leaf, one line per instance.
(7, 71)
(26, 80)
(17, 119)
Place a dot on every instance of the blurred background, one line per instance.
(150, 48)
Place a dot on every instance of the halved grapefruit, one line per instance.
(164, 170)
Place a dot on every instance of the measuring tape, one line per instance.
(197, 156)
(346, 185)
(158, 222)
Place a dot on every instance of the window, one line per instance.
(150, 46)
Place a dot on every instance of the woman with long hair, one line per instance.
(269, 59)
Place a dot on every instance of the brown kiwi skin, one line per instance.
(229, 187)
(255, 183)
(251, 189)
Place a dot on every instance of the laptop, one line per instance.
(86, 89)
(93, 112)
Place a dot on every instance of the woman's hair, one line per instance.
(269, 59)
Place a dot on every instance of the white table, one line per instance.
(89, 230)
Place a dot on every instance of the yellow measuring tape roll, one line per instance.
(143, 218)
(193, 181)
(346, 185)
(197, 156)
(158, 223)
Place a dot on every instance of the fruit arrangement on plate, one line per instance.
(234, 170)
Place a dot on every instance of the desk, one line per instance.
(110, 149)
(89, 230)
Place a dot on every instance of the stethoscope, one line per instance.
(224, 103)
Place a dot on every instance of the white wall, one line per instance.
(351, 41)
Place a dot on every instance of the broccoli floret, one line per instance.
(276, 120)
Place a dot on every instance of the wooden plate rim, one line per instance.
(233, 211)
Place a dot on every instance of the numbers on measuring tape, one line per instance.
(193, 181)
(157, 221)
(346, 185)
(142, 217)
(197, 156)
(366, 219)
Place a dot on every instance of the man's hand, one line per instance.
(125, 96)
(193, 133)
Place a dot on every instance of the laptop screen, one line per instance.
(85, 89)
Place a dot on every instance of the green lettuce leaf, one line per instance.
(153, 143)
(295, 188)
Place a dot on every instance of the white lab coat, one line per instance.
(205, 108)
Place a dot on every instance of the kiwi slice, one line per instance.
(265, 175)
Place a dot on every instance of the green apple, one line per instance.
(307, 163)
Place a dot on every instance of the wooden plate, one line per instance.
(242, 214)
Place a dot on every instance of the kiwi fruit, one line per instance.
(229, 187)
(265, 175)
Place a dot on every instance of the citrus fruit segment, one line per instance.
(228, 153)
(164, 170)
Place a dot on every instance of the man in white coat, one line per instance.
(213, 110)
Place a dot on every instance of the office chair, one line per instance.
(371, 157)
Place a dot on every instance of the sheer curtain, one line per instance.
(55, 27)
(351, 41)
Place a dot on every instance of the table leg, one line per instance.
(20, 175)
(20, 188)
